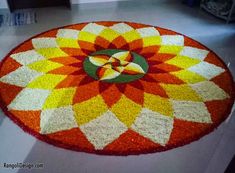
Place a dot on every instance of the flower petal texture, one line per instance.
(102, 86)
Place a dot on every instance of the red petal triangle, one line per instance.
(134, 94)
(101, 43)
(162, 57)
(167, 78)
(111, 95)
(85, 92)
(155, 70)
(24, 47)
(223, 82)
(73, 51)
(131, 142)
(119, 42)
(121, 87)
(78, 72)
(73, 137)
(154, 62)
(86, 80)
(148, 78)
(103, 86)
(137, 84)
(136, 44)
(8, 65)
(219, 109)
(8, 92)
(30, 119)
(125, 47)
(65, 60)
(186, 131)
(150, 49)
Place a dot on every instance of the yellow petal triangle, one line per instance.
(134, 68)
(126, 110)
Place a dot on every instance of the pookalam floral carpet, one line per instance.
(115, 88)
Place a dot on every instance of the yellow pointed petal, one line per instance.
(181, 92)
(51, 52)
(87, 36)
(158, 104)
(109, 34)
(152, 41)
(47, 81)
(108, 66)
(109, 74)
(89, 110)
(67, 42)
(124, 62)
(189, 76)
(120, 69)
(170, 49)
(122, 56)
(131, 36)
(98, 61)
(44, 65)
(183, 61)
(111, 59)
(126, 110)
(134, 68)
(59, 98)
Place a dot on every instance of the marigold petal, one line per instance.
(133, 68)
(99, 60)
(109, 74)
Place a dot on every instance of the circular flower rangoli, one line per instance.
(115, 88)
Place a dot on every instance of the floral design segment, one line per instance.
(105, 79)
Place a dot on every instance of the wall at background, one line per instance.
(3, 3)
(91, 1)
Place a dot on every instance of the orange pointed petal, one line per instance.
(188, 42)
(217, 115)
(85, 92)
(212, 58)
(73, 137)
(30, 119)
(86, 45)
(131, 142)
(150, 49)
(119, 42)
(24, 47)
(65, 60)
(154, 88)
(111, 95)
(73, 51)
(65, 70)
(162, 57)
(8, 66)
(167, 78)
(136, 44)
(8, 92)
(70, 81)
(101, 43)
(223, 82)
(168, 67)
(134, 94)
(193, 129)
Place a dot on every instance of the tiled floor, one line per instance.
(210, 154)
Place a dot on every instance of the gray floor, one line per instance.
(210, 154)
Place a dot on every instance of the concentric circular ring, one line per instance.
(115, 88)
